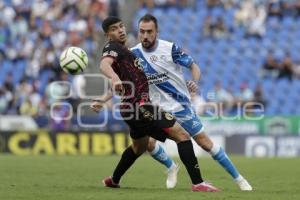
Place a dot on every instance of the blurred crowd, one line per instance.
(278, 68)
(222, 101)
(251, 14)
(34, 33)
(165, 3)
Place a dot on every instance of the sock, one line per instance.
(187, 156)
(160, 155)
(127, 159)
(221, 157)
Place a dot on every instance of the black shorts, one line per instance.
(148, 120)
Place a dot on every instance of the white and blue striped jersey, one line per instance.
(167, 86)
(163, 68)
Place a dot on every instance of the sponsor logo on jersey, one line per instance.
(164, 58)
(153, 58)
(138, 64)
(148, 115)
(169, 116)
(157, 78)
(110, 53)
(195, 124)
(186, 117)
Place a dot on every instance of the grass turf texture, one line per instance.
(79, 177)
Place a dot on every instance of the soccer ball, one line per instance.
(73, 60)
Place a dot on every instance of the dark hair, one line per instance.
(149, 18)
(108, 22)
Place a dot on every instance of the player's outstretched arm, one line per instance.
(98, 103)
(107, 70)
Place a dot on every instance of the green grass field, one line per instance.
(79, 178)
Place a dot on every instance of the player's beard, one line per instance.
(148, 44)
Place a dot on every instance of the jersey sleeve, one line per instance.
(180, 57)
(112, 50)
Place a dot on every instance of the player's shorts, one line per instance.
(148, 120)
(190, 121)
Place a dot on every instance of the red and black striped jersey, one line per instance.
(128, 67)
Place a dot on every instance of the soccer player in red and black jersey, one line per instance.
(144, 119)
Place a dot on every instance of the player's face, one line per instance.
(117, 32)
(147, 34)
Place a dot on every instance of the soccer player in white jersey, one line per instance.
(168, 88)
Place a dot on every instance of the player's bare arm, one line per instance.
(98, 103)
(106, 69)
(196, 75)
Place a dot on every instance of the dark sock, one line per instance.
(187, 156)
(127, 159)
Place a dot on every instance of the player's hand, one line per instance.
(96, 105)
(192, 86)
(117, 86)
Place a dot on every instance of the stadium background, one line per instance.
(247, 51)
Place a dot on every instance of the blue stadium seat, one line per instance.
(273, 21)
(19, 71)
(288, 22)
(217, 12)
(44, 78)
(8, 2)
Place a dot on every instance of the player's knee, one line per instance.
(139, 146)
(181, 136)
(138, 149)
(184, 136)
